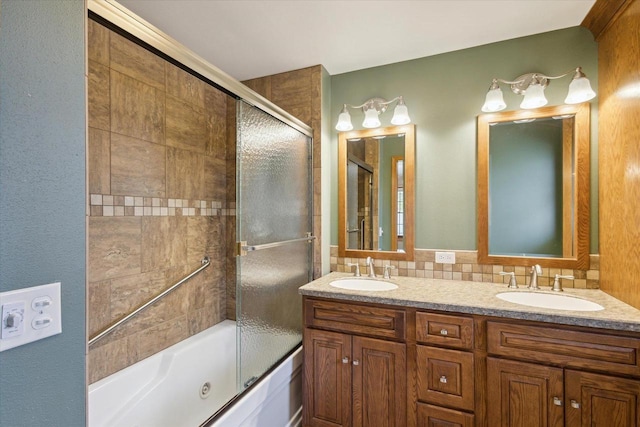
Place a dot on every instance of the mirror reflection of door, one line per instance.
(397, 203)
(360, 204)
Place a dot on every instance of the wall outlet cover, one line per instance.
(445, 257)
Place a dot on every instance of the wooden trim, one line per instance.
(409, 192)
(603, 14)
(581, 225)
(568, 195)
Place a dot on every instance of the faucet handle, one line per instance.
(387, 271)
(557, 285)
(357, 266)
(512, 282)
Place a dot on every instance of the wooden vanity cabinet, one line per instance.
(351, 379)
(445, 370)
(550, 383)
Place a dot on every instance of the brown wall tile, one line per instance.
(107, 359)
(137, 167)
(185, 86)
(98, 95)
(215, 179)
(186, 125)
(136, 62)
(185, 174)
(161, 336)
(98, 43)
(163, 244)
(217, 117)
(99, 162)
(99, 308)
(205, 236)
(114, 247)
(137, 109)
(130, 292)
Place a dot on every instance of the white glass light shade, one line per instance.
(344, 121)
(534, 97)
(579, 91)
(371, 119)
(494, 101)
(400, 115)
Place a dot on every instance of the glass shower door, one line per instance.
(274, 218)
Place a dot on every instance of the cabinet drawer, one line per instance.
(445, 377)
(356, 318)
(434, 416)
(565, 347)
(441, 329)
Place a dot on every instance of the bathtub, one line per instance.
(189, 381)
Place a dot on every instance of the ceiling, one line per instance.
(248, 38)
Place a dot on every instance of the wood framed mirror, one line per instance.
(533, 187)
(376, 191)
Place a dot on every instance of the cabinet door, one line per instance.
(435, 416)
(601, 401)
(327, 379)
(379, 383)
(523, 394)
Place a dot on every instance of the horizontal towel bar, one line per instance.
(244, 247)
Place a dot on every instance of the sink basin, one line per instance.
(552, 301)
(359, 284)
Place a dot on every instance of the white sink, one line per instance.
(552, 301)
(360, 284)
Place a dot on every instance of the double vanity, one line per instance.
(428, 352)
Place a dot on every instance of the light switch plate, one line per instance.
(40, 317)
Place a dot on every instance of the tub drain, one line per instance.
(205, 390)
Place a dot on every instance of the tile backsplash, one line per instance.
(467, 268)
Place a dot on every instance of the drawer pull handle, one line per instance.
(345, 360)
(356, 362)
(443, 379)
(575, 404)
(557, 401)
(444, 332)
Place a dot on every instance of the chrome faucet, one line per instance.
(533, 283)
(357, 266)
(371, 265)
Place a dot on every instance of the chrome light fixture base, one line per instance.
(521, 83)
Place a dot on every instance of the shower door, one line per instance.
(274, 220)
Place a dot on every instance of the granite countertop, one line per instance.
(480, 298)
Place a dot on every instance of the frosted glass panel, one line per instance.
(274, 204)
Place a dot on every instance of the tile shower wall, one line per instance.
(158, 202)
(467, 268)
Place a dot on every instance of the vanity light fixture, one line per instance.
(372, 109)
(532, 86)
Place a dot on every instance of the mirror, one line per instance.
(376, 193)
(533, 187)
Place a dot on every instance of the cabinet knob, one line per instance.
(575, 404)
(443, 379)
(557, 401)
(356, 362)
(345, 360)
(444, 332)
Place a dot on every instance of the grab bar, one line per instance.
(244, 248)
(104, 332)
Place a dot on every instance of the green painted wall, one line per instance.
(444, 94)
(42, 202)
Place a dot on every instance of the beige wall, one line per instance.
(159, 202)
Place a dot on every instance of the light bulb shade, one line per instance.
(344, 121)
(494, 101)
(371, 119)
(400, 115)
(579, 91)
(534, 97)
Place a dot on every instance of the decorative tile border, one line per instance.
(467, 268)
(109, 205)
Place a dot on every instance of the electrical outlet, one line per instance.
(445, 257)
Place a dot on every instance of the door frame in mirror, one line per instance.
(409, 192)
(582, 132)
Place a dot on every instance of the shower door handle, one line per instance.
(243, 248)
